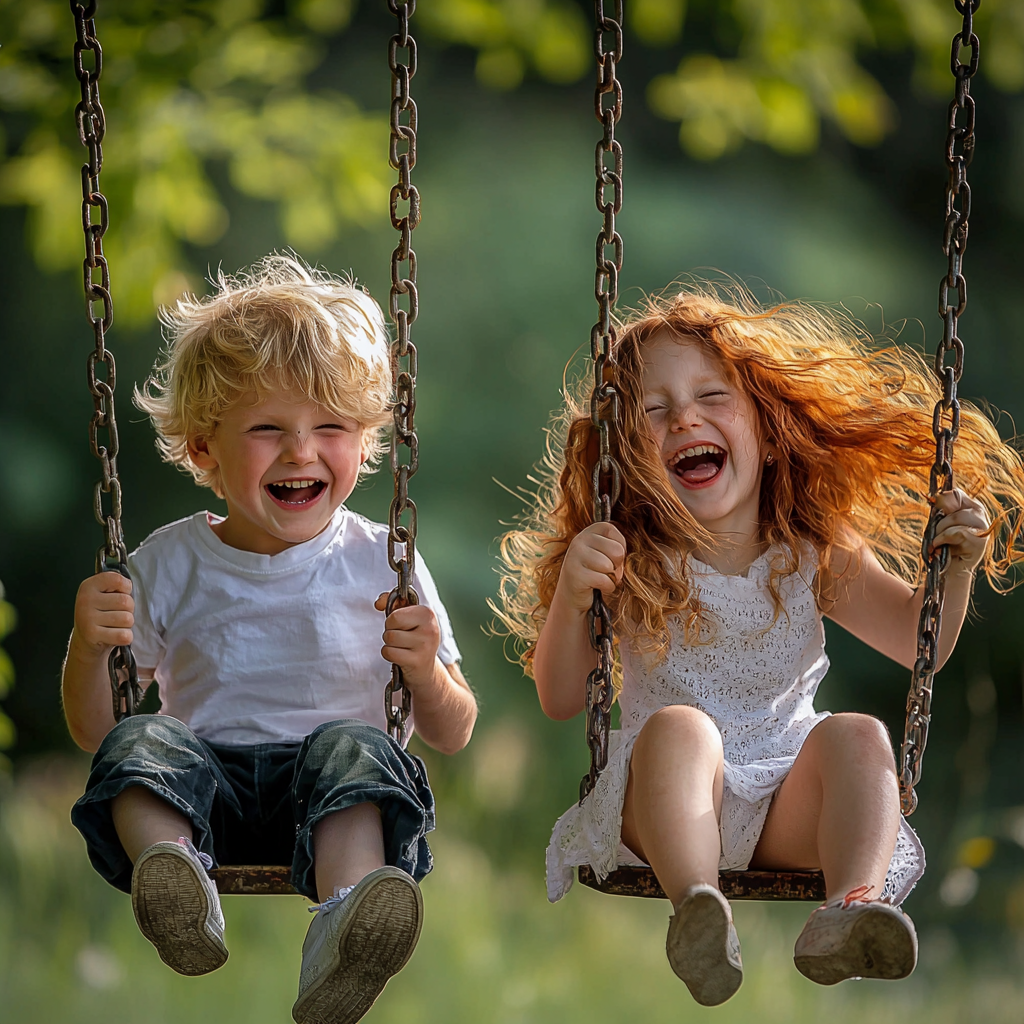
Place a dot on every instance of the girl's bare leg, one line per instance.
(674, 799)
(141, 819)
(838, 808)
(347, 845)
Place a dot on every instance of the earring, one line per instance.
(769, 458)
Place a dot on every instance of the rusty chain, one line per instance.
(402, 514)
(946, 416)
(126, 691)
(604, 400)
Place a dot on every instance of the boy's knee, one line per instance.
(149, 733)
(345, 736)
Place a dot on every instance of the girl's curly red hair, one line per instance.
(851, 421)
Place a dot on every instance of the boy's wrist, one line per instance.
(86, 654)
(423, 679)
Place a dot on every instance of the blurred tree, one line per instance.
(183, 86)
(762, 70)
(207, 81)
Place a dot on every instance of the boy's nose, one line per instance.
(299, 448)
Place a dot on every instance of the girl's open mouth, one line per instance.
(698, 465)
(296, 493)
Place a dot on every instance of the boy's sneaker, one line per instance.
(702, 946)
(853, 937)
(354, 944)
(177, 907)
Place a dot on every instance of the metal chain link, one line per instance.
(403, 351)
(604, 400)
(126, 692)
(946, 417)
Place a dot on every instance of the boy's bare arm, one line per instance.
(445, 709)
(443, 703)
(104, 616)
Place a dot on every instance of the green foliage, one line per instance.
(548, 36)
(184, 88)
(786, 66)
(225, 83)
(8, 620)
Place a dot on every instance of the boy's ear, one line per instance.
(199, 452)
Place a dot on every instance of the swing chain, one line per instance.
(402, 518)
(604, 400)
(946, 417)
(112, 555)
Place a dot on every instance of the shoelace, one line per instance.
(203, 858)
(858, 895)
(332, 901)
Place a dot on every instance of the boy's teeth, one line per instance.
(296, 483)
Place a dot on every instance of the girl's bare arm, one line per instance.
(883, 610)
(564, 656)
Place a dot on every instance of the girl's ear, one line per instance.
(199, 452)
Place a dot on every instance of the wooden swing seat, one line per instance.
(736, 885)
(254, 880)
(274, 880)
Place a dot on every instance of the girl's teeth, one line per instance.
(700, 449)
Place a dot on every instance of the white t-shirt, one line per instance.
(251, 648)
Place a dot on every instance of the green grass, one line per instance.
(492, 952)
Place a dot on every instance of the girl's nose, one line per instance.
(686, 418)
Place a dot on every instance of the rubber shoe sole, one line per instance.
(702, 947)
(377, 931)
(172, 908)
(880, 944)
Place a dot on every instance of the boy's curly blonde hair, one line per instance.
(281, 325)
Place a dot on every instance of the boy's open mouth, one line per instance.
(294, 493)
(698, 464)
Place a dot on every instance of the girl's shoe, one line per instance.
(356, 942)
(177, 907)
(853, 937)
(702, 946)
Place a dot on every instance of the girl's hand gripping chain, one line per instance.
(592, 562)
(963, 529)
(564, 655)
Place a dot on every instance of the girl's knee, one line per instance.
(682, 723)
(863, 736)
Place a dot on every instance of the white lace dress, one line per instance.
(756, 681)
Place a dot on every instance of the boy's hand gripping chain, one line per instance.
(604, 400)
(402, 349)
(112, 556)
(959, 150)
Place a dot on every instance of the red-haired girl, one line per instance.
(775, 469)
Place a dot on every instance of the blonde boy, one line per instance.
(261, 630)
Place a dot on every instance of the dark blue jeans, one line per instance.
(258, 804)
